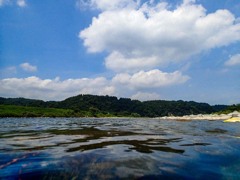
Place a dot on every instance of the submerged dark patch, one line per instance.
(118, 149)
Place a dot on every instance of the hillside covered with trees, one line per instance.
(104, 106)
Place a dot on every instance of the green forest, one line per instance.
(105, 106)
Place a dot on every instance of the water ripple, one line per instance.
(71, 148)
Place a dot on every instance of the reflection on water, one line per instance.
(44, 148)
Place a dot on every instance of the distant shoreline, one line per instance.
(105, 106)
(212, 117)
(11, 111)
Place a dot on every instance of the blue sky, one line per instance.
(144, 50)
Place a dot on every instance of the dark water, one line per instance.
(62, 148)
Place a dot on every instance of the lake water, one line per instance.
(72, 148)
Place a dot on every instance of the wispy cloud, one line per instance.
(8, 71)
(233, 61)
(1, 2)
(28, 67)
(107, 4)
(20, 3)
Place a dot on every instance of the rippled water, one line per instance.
(71, 148)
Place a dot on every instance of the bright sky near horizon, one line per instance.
(141, 49)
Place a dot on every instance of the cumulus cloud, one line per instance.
(117, 62)
(53, 89)
(28, 67)
(121, 85)
(233, 61)
(150, 79)
(151, 34)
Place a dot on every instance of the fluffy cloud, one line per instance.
(28, 67)
(53, 89)
(117, 62)
(233, 61)
(150, 79)
(121, 85)
(151, 34)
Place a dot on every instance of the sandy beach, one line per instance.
(203, 116)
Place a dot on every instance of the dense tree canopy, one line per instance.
(92, 105)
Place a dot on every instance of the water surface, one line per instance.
(85, 148)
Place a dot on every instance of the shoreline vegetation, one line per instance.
(31, 112)
(108, 106)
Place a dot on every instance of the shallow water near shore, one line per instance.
(118, 148)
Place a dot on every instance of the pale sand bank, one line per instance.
(203, 116)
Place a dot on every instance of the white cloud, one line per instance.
(121, 85)
(21, 3)
(28, 67)
(233, 61)
(150, 34)
(143, 96)
(53, 89)
(107, 5)
(118, 62)
(150, 79)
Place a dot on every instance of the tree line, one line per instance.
(104, 106)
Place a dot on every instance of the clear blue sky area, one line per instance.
(140, 49)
